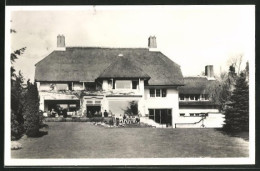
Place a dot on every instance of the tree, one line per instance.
(219, 91)
(237, 112)
(236, 62)
(132, 109)
(17, 120)
(31, 110)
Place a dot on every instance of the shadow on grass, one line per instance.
(244, 135)
(41, 133)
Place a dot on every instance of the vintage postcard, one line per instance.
(130, 85)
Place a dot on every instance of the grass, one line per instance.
(84, 140)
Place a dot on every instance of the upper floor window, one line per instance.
(204, 97)
(61, 86)
(193, 97)
(158, 92)
(123, 84)
(181, 97)
(152, 92)
(134, 84)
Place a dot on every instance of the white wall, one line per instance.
(171, 101)
(188, 111)
(213, 120)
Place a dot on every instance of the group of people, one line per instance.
(54, 113)
(128, 119)
(97, 114)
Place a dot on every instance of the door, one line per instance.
(93, 109)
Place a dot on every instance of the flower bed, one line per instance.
(78, 119)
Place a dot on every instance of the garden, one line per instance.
(89, 140)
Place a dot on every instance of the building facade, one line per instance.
(95, 80)
(84, 80)
(196, 109)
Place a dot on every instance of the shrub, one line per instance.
(31, 111)
(132, 108)
(16, 127)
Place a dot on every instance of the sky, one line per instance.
(192, 36)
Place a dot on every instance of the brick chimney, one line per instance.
(209, 72)
(152, 45)
(61, 43)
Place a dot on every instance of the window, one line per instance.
(152, 92)
(62, 86)
(197, 97)
(70, 86)
(191, 114)
(90, 86)
(158, 92)
(182, 114)
(197, 114)
(181, 97)
(151, 114)
(192, 97)
(123, 84)
(162, 116)
(205, 97)
(134, 84)
(164, 93)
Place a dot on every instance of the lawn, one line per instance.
(84, 140)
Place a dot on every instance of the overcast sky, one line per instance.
(192, 36)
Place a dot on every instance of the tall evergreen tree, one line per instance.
(17, 93)
(237, 112)
(31, 110)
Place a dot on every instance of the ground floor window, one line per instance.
(162, 116)
(61, 107)
(94, 110)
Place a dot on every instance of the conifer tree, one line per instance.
(17, 120)
(237, 112)
(31, 110)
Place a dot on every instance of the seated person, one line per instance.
(53, 113)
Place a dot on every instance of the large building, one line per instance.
(85, 80)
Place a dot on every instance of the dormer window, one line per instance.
(126, 84)
(123, 84)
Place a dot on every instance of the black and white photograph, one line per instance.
(129, 85)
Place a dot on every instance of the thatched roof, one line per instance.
(123, 67)
(194, 85)
(88, 63)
